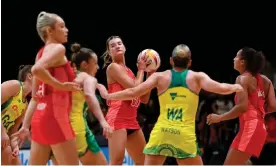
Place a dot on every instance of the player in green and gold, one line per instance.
(13, 107)
(174, 133)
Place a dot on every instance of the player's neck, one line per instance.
(242, 72)
(120, 63)
(179, 69)
(26, 89)
(49, 41)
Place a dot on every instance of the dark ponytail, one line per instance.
(24, 70)
(80, 54)
(254, 61)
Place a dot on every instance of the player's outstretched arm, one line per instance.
(206, 83)
(141, 89)
(238, 109)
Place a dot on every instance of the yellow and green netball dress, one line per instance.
(174, 133)
(84, 137)
(12, 109)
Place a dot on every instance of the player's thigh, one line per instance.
(236, 157)
(116, 146)
(66, 152)
(190, 161)
(39, 154)
(154, 160)
(91, 158)
(135, 146)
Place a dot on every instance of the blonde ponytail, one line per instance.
(107, 58)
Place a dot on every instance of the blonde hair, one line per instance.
(181, 56)
(181, 50)
(45, 20)
(106, 57)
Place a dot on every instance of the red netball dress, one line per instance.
(122, 114)
(50, 122)
(252, 134)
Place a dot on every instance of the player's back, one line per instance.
(174, 132)
(178, 104)
(256, 98)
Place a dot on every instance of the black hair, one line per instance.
(24, 70)
(80, 54)
(254, 60)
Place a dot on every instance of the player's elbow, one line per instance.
(36, 69)
(243, 107)
(132, 93)
(225, 89)
(91, 98)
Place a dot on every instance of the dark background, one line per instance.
(213, 33)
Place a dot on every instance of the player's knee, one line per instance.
(117, 160)
(6, 155)
(7, 151)
(139, 162)
(16, 161)
(101, 159)
(139, 159)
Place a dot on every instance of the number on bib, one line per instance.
(135, 102)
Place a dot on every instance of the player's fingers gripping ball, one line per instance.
(152, 58)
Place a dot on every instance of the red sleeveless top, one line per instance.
(252, 132)
(256, 101)
(122, 114)
(50, 122)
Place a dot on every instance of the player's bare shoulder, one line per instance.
(243, 79)
(13, 84)
(191, 72)
(81, 76)
(109, 67)
(166, 73)
(196, 75)
(193, 79)
(163, 80)
(161, 77)
(58, 48)
(112, 67)
(266, 79)
(267, 83)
